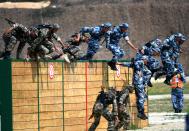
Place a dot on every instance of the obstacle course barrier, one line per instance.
(56, 96)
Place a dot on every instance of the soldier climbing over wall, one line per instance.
(72, 47)
(113, 43)
(96, 34)
(17, 33)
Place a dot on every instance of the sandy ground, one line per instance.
(25, 5)
(165, 121)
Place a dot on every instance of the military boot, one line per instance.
(158, 74)
(167, 80)
(112, 65)
(142, 115)
(150, 84)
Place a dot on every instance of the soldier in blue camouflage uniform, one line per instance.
(96, 34)
(100, 108)
(122, 101)
(170, 52)
(17, 33)
(150, 49)
(139, 82)
(116, 34)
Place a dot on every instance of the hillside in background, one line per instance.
(147, 19)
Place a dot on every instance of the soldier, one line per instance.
(72, 49)
(113, 44)
(139, 81)
(104, 99)
(122, 101)
(17, 33)
(170, 52)
(177, 90)
(47, 45)
(96, 34)
(151, 49)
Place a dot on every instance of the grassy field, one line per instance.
(160, 88)
(159, 105)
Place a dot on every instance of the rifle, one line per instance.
(10, 22)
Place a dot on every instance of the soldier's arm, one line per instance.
(127, 40)
(58, 39)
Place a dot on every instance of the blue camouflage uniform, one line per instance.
(113, 45)
(139, 81)
(177, 93)
(150, 49)
(170, 52)
(96, 35)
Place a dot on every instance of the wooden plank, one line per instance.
(80, 99)
(50, 100)
(32, 129)
(24, 102)
(60, 128)
(51, 122)
(80, 92)
(50, 85)
(51, 108)
(25, 117)
(48, 93)
(81, 85)
(25, 109)
(24, 94)
(50, 115)
(77, 106)
(25, 125)
(24, 79)
(24, 64)
(24, 86)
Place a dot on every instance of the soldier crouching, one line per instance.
(104, 99)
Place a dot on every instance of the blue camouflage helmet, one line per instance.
(106, 25)
(181, 36)
(124, 25)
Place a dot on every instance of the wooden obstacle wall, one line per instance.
(55, 96)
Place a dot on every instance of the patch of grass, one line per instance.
(159, 105)
(160, 88)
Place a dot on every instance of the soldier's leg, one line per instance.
(126, 120)
(93, 47)
(180, 99)
(140, 94)
(109, 117)
(174, 100)
(96, 122)
(117, 54)
(147, 77)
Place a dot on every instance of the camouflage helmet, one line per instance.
(55, 26)
(181, 36)
(106, 25)
(87, 35)
(124, 25)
